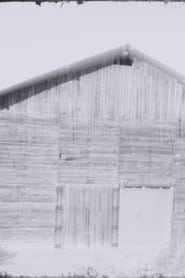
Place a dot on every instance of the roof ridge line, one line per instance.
(66, 69)
(103, 59)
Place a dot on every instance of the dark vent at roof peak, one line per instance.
(123, 61)
(124, 56)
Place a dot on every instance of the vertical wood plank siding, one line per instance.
(121, 125)
(137, 92)
(86, 218)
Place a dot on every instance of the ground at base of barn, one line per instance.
(40, 260)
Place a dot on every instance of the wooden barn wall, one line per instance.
(88, 154)
(137, 92)
(28, 162)
(87, 176)
(39, 155)
(152, 154)
(147, 153)
(120, 125)
(138, 154)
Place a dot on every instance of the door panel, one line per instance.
(145, 216)
(85, 215)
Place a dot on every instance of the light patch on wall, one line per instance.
(145, 217)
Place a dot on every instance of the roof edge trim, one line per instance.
(102, 60)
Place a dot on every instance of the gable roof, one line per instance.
(123, 55)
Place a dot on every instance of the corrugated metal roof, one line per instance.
(122, 55)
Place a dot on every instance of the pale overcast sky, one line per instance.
(36, 39)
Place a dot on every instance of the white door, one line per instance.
(145, 217)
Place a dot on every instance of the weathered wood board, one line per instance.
(84, 216)
(28, 163)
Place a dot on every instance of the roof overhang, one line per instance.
(124, 55)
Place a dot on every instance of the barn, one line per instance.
(93, 155)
